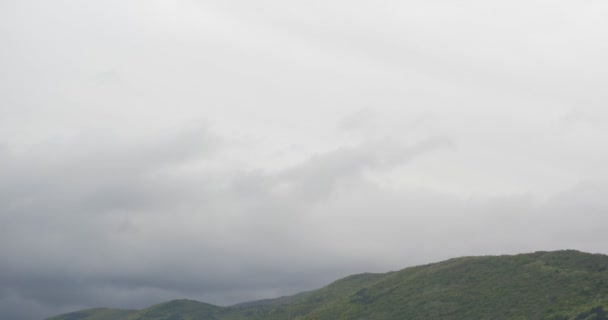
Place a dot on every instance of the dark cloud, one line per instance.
(114, 233)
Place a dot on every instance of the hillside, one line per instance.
(96, 314)
(560, 285)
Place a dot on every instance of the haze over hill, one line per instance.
(558, 285)
(236, 150)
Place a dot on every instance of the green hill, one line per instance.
(96, 314)
(178, 310)
(560, 285)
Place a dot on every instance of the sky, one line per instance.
(231, 150)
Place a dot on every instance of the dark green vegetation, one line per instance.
(560, 285)
(96, 314)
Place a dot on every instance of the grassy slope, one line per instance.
(302, 304)
(178, 310)
(532, 286)
(542, 285)
(96, 314)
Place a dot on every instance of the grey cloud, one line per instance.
(224, 244)
(467, 42)
(362, 118)
(192, 250)
(319, 174)
(79, 226)
(341, 137)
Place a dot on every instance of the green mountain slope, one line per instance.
(301, 304)
(96, 314)
(560, 285)
(531, 286)
(178, 310)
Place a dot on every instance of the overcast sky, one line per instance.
(235, 150)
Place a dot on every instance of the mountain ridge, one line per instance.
(552, 285)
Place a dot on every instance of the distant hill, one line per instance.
(559, 285)
(96, 314)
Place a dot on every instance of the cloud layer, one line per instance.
(229, 150)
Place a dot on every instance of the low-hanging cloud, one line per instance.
(123, 232)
